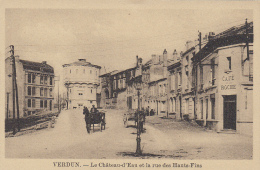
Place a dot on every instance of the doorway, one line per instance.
(229, 111)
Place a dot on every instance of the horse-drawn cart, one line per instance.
(96, 118)
(132, 115)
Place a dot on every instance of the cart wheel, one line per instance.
(104, 124)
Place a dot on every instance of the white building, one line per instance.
(81, 79)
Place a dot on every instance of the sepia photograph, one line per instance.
(128, 84)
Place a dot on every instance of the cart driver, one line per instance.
(93, 109)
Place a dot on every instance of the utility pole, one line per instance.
(7, 105)
(17, 103)
(13, 86)
(138, 138)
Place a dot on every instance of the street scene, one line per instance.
(129, 84)
(163, 138)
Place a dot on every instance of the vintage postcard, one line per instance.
(140, 84)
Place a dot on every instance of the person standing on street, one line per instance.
(87, 118)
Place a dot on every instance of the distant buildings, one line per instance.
(81, 79)
(35, 83)
(211, 82)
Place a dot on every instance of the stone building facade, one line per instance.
(81, 78)
(35, 83)
(224, 88)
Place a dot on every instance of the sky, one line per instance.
(110, 38)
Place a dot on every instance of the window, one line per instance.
(229, 62)
(80, 94)
(114, 84)
(45, 79)
(201, 108)
(45, 92)
(33, 78)
(96, 73)
(33, 103)
(91, 91)
(179, 79)
(70, 71)
(29, 113)
(29, 104)
(187, 79)
(29, 90)
(50, 92)
(33, 91)
(83, 71)
(251, 65)
(50, 104)
(213, 71)
(212, 108)
(45, 103)
(193, 75)
(41, 103)
(124, 83)
(121, 83)
(41, 79)
(51, 79)
(90, 71)
(41, 91)
(172, 82)
(187, 60)
(29, 78)
(201, 75)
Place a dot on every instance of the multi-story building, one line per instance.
(35, 83)
(134, 76)
(155, 83)
(81, 79)
(224, 72)
(175, 85)
(188, 81)
(117, 90)
(106, 90)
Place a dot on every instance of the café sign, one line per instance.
(228, 82)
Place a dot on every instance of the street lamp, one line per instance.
(138, 86)
(58, 79)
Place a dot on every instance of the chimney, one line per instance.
(159, 59)
(44, 62)
(82, 60)
(137, 61)
(175, 55)
(165, 58)
(211, 35)
(189, 44)
(153, 59)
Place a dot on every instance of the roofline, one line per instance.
(162, 79)
(174, 65)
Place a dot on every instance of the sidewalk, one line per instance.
(195, 142)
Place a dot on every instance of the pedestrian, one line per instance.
(87, 118)
(151, 112)
(147, 111)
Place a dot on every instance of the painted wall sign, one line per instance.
(227, 80)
